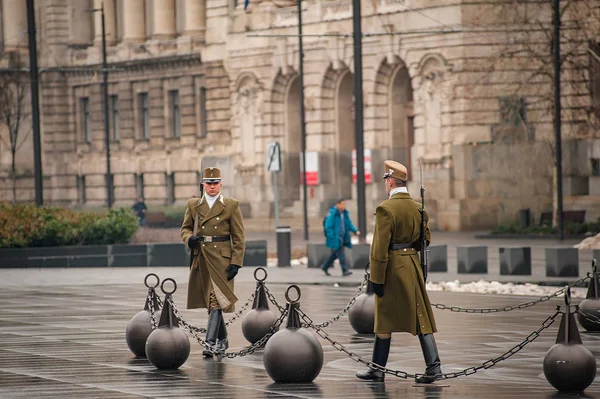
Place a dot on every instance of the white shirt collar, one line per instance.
(210, 200)
(397, 190)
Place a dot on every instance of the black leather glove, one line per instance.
(377, 289)
(232, 271)
(193, 242)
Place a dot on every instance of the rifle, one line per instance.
(423, 235)
(196, 222)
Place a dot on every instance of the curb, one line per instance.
(527, 237)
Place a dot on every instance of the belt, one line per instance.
(395, 247)
(214, 238)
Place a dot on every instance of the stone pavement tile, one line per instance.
(77, 348)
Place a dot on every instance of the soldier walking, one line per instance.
(402, 303)
(213, 229)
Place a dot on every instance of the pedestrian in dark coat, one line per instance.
(338, 227)
(140, 209)
(401, 302)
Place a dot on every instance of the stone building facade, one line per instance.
(205, 82)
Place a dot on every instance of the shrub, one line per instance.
(30, 226)
(116, 228)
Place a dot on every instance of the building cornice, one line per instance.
(172, 62)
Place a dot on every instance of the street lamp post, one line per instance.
(302, 120)
(35, 104)
(109, 184)
(358, 118)
(557, 120)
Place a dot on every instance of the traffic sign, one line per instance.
(273, 156)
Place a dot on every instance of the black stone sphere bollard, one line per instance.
(168, 347)
(569, 365)
(362, 313)
(293, 354)
(259, 320)
(590, 306)
(140, 326)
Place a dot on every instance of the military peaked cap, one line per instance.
(211, 175)
(396, 170)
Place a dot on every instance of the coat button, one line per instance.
(203, 226)
(215, 227)
(217, 218)
(404, 249)
(215, 246)
(203, 245)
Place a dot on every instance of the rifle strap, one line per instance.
(196, 221)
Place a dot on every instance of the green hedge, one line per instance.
(31, 226)
(570, 229)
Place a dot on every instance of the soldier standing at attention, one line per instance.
(401, 304)
(213, 229)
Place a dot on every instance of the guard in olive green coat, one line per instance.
(402, 303)
(213, 229)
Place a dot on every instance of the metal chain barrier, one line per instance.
(589, 317)
(274, 301)
(329, 322)
(150, 298)
(248, 351)
(524, 305)
(242, 310)
(402, 374)
(347, 308)
(233, 318)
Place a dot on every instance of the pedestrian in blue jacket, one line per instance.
(337, 233)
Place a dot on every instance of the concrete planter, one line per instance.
(358, 256)
(256, 253)
(168, 254)
(120, 255)
(472, 259)
(317, 254)
(562, 262)
(515, 261)
(438, 258)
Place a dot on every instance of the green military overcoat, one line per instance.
(211, 259)
(405, 306)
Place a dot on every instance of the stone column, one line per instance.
(195, 18)
(110, 25)
(134, 27)
(164, 19)
(14, 23)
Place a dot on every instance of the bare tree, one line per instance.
(524, 66)
(14, 110)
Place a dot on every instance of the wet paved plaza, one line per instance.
(62, 334)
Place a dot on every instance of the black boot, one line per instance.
(432, 359)
(222, 343)
(381, 351)
(211, 332)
